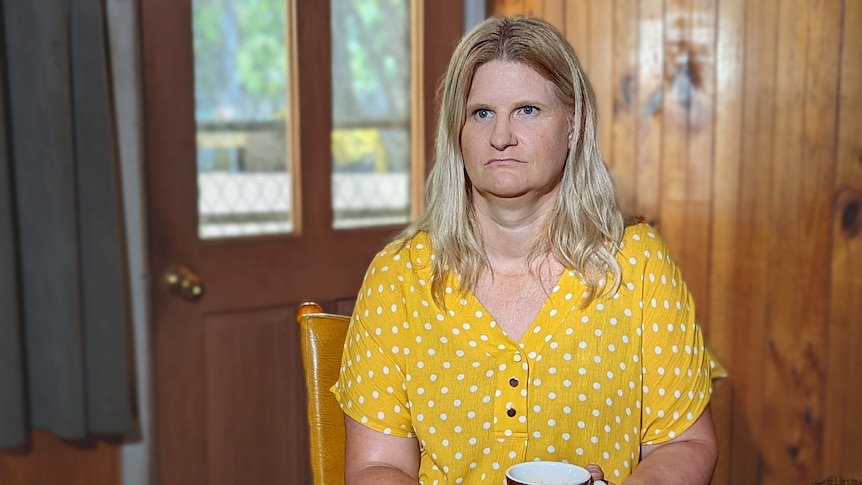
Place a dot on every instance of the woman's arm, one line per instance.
(688, 459)
(375, 458)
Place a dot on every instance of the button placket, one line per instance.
(512, 395)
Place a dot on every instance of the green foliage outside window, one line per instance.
(241, 63)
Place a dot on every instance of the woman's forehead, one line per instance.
(503, 80)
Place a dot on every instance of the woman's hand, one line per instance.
(597, 473)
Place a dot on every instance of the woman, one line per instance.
(519, 318)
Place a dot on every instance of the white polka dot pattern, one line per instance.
(583, 385)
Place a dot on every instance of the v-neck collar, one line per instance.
(561, 303)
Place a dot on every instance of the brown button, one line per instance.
(511, 412)
(513, 382)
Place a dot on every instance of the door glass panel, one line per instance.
(242, 117)
(371, 110)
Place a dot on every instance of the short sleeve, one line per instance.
(370, 388)
(676, 364)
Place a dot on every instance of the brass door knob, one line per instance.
(184, 283)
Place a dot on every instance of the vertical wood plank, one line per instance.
(507, 8)
(752, 220)
(786, 180)
(818, 185)
(650, 95)
(554, 11)
(721, 407)
(678, 89)
(817, 167)
(699, 157)
(534, 8)
(577, 28)
(842, 434)
(600, 67)
(809, 44)
(622, 159)
(730, 43)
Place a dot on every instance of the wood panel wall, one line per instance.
(46, 460)
(734, 126)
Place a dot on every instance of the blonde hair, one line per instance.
(585, 228)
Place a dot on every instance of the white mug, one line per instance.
(549, 473)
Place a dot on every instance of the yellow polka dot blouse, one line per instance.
(583, 385)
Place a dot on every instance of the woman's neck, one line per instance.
(509, 230)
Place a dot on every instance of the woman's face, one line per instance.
(517, 133)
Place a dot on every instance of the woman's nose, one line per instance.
(502, 136)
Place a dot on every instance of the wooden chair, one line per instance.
(321, 340)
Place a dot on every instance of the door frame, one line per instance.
(177, 363)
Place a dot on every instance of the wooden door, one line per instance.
(229, 396)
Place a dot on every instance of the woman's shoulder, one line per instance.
(414, 251)
(641, 234)
(643, 242)
(399, 262)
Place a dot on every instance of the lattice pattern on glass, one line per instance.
(371, 92)
(241, 76)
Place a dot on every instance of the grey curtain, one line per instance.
(64, 302)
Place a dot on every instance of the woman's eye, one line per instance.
(482, 114)
(529, 110)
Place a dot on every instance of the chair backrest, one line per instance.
(321, 340)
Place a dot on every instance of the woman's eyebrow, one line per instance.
(478, 106)
(517, 104)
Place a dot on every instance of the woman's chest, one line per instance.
(463, 354)
(578, 383)
(514, 303)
